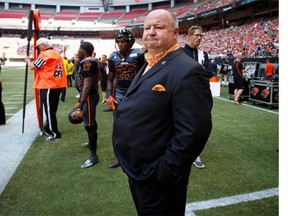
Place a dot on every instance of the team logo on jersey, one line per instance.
(59, 70)
(126, 72)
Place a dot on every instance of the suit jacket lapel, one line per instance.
(139, 78)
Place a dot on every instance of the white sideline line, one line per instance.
(14, 144)
(251, 106)
(232, 200)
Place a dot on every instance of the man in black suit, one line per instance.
(164, 120)
(194, 35)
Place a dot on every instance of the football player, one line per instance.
(123, 65)
(89, 98)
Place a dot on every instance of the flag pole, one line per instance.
(29, 36)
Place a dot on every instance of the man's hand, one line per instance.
(27, 59)
(29, 63)
(111, 103)
(77, 105)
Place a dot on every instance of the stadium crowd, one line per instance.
(255, 39)
(210, 5)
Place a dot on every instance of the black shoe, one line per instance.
(90, 162)
(85, 145)
(114, 164)
(45, 132)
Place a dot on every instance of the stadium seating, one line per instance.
(111, 17)
(13, 14)
(180, 10)
(65, 15)
(120, 17)
(129, 17)
(141, 18)
(47, 15)
(89, 16)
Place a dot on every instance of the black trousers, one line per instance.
(152, 197)
(2, 114)
(90, 123)
(63, 94)
(69, 79)
(50, 100)
(2, 109)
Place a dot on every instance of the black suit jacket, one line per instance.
(158, 134)
(206, 63)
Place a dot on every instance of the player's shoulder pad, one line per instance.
(136, 52)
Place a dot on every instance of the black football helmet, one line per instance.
(125, 34)
(73, 119)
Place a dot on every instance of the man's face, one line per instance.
(195, 39)
(159, 32)
(81, 53)
(123, 45)
(104, 59)
(41, 48)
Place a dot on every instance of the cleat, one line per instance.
(89, 163)
(52, 138)
(198, 163)
(85, 145)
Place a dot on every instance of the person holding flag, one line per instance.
(50, 78)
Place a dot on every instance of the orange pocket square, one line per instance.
(158, 88)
